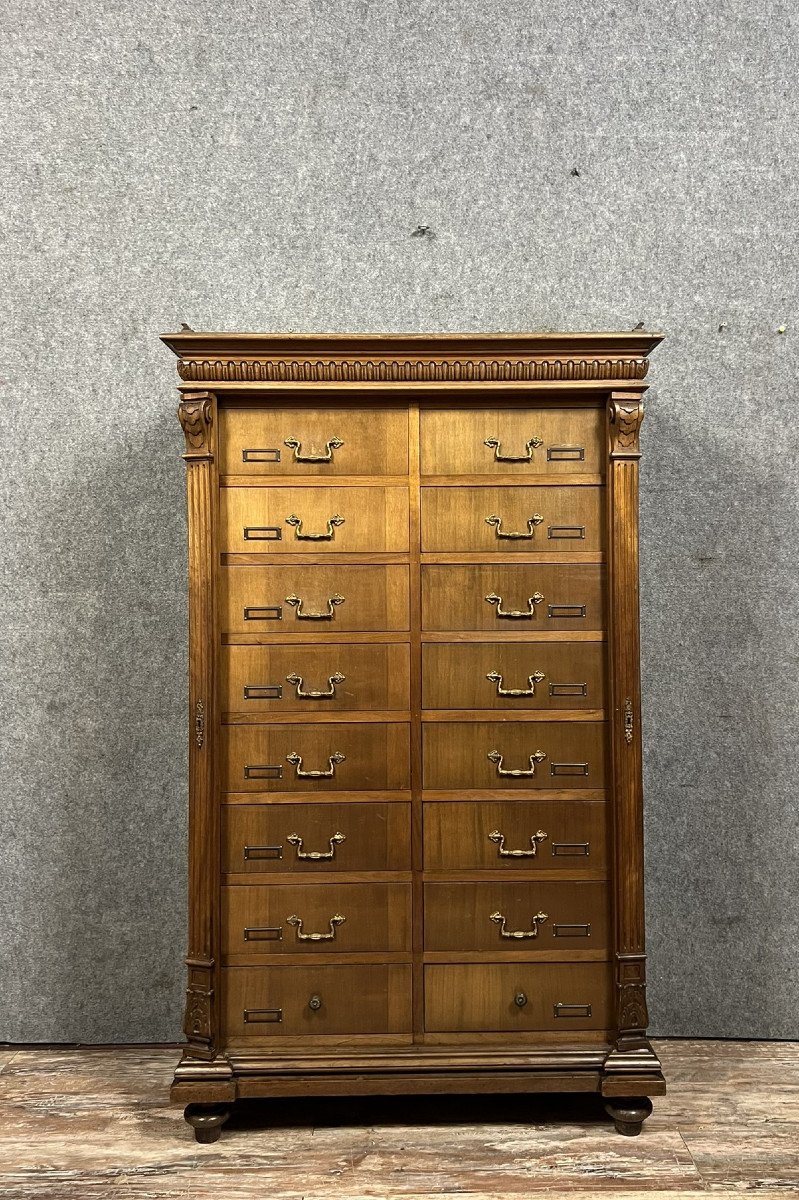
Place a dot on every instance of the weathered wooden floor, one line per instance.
(80, 1124)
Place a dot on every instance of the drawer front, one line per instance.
(513, 520)
(517, 997)
(513, 675)
(515, 835)
(328, 918)
(272, 679)
(558, 756)
(318, 520)
(338, 441)
(507, 598)
(542, 441)
(301, 600)
(277, 758)
(514, 915)
(315, 839)
(311, 1001)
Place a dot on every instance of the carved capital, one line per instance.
(199, 1016)
(625, 414)
(195, 416)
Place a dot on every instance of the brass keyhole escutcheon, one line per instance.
(520, 999)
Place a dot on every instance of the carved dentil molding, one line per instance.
(428, 370)
(625, 417)
(195, 416)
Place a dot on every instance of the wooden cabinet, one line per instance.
(414, 760)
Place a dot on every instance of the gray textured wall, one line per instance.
(262, 166)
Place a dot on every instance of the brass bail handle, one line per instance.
(495, 757)
(499, 919)
(494, 444)
(296, 761)
(297, 922)
(295, 840)
(532, 680)
(332, 523)
(532, 521)
(310, 694)
(313, 456)
(515, 613)
(297, 602)
(499, 839)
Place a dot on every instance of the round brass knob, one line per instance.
(520, 999)
(315, 1003)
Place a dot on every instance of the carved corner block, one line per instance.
(199, 1021)
(632, 1017)
(625, 416)
(195, 413)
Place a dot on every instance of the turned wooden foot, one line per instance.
(207, 1120)
(629, 1113)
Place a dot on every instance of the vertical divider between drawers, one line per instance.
(415, 602)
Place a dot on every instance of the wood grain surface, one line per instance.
(90, 1123)
(454, 441)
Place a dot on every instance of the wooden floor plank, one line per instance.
(79, 1124)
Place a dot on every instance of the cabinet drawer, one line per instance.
(318, 520)
(327, 918)
(309, 1001)
(513, 520)
(492, 674)
(315, 839)
(538, 441)
(290, 600)
(507, 598)
(487, 835)
(272, 679)
(516, 997)
(269, 758)
(515, 915)
(557, 756)
(341, 441)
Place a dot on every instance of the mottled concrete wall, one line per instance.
(263, 166)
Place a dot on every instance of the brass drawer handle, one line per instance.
(296, 602)
(315, 1003)
(520, 999)
(537, 920)
(498, 758)
(332, 522)
(532, 680)
(330, 694)
(495, 444)
(316, 855)
(313, 456)
(296, 760)
(535, 838)
(532, 521)
(515, 613)
(296, 921)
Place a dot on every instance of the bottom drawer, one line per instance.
(518, 997)
(307, 1001)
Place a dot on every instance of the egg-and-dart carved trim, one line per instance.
(285, 370)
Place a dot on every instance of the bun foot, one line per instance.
(629, 1113)
(207, 1120)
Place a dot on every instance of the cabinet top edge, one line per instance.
(190, 344)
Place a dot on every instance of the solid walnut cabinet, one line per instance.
(415, 859)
